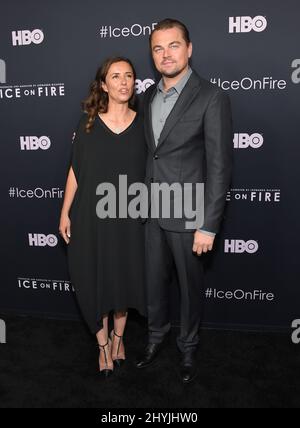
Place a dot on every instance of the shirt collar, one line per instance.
(180, 85)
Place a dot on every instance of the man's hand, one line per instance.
(202, 243)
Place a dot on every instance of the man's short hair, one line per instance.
(166, 24)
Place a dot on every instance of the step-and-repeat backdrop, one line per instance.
(49, 53)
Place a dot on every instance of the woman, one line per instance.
(106, 256)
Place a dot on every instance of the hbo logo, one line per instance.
(141, 86)
(26, 37)
(40, 240)
(245, 24)
(35, 143)
(239, 247)
(243, 141)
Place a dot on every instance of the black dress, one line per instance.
(106, 256)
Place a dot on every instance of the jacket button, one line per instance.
(155, 157)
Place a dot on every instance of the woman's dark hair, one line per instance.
(97, 101)
(166, 24)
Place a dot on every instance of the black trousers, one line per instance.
(164, 250)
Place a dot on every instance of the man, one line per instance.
(189, 134)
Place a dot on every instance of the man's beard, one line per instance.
(174, 74)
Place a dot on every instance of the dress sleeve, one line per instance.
(77, 147)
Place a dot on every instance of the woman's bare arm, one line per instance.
(70, 191)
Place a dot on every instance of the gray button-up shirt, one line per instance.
(162, 105)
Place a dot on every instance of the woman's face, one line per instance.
(119, 83)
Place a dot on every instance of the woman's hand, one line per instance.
(65, 228)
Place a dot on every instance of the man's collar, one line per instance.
(180, 85)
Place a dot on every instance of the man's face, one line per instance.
(170, 52)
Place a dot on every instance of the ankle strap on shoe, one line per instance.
(102, 346)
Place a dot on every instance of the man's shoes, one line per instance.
(149, 356)
(188, 367)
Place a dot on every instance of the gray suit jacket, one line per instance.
(195, 146)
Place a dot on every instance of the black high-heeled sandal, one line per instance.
(120, 359)
(106, 372)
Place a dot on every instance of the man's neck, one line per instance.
(170, 82)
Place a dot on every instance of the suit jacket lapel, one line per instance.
(187, 96)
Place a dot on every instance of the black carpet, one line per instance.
(53, 364)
